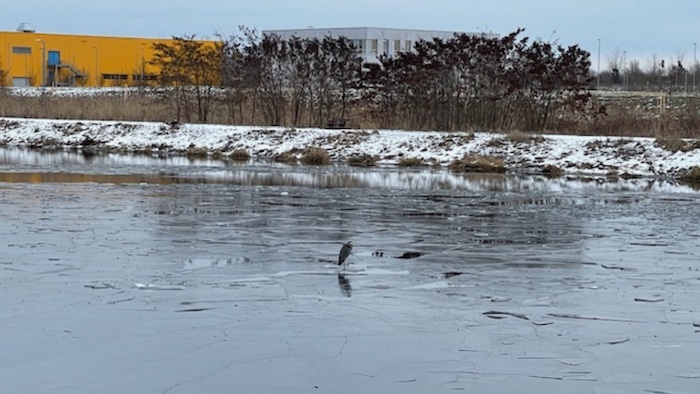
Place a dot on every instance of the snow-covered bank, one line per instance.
(574, 154)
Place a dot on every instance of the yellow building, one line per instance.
(37, 59)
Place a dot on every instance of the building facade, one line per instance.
(38, 59)
(372, 42)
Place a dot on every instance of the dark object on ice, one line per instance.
(450, 274)
(344, 252)
(501, 315)
(344, 284)
(410, 255)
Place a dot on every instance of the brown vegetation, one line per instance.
(691, 175)
(553, 171)
(410, 162)
(363, 160)
(240, 155)
(478, 163)
(315, 156)
(286, 157)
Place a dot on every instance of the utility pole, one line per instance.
(695, 63)
(598, 82)
(624, 70)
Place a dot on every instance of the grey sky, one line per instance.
(639, 27)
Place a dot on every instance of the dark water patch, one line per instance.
(190, 310)
(410, 255)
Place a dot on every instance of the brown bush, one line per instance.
(410, 162)
(552, 171)
(363, 160)
(315, 157)
(240, 155)
(692, 175)
(286, 157)
(478, 163)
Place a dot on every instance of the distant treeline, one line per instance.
(466, 82)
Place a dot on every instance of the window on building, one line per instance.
(359, 45)
(385, 47)
(374, 46)
(144, 77)
(22, 50)
(397, 46)
(115, 77)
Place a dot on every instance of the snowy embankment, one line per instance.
(574, 154)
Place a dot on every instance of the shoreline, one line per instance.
(626, 157)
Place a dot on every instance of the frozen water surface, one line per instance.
(126, 274)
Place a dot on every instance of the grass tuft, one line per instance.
(240, 155)
(363, 160)
(478, 163)
(315, 157)
(410, 162)
(553, 171)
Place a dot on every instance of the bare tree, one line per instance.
(192, 71)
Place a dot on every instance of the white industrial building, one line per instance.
(372, 42)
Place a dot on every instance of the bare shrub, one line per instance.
(478, 163)
(553, 171)
(196, 152)
(410, 162)
(692, 175)
(316, 157)
(363, 160)
(240, 155)
(286, 157)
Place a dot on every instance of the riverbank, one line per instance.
(574, 155)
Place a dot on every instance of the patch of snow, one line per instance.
(581, 155)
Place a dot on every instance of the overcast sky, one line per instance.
(639, 27)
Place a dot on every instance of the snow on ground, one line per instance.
(575, 154)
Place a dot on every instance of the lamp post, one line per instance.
(97, 65)
(43, 61)
(598, 82)
(695, 63)
(624, 70)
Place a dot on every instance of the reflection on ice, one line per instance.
(344, 284)
(28, 166)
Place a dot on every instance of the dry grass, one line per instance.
(240, 155)
(410, 162)
(478, 163)
(196, 152)
(691, 176)
(286, 157)
(362, 160)
(553, 171)
(315, 157)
